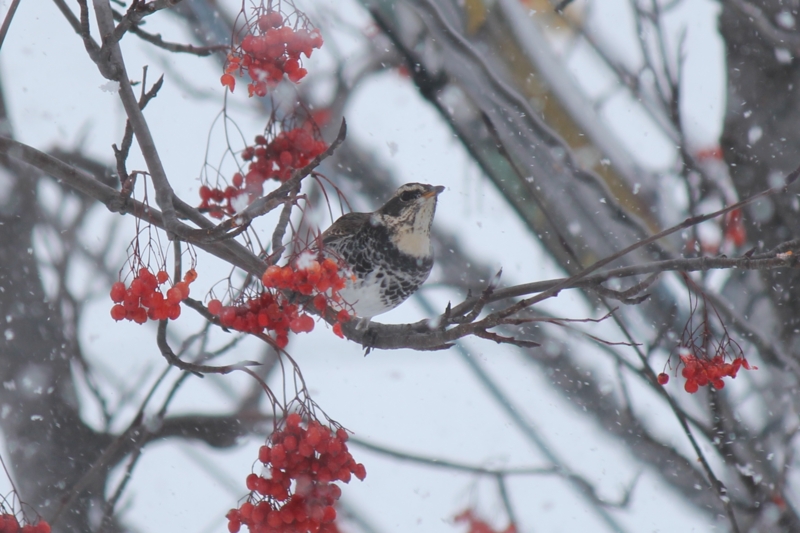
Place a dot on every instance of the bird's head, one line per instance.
(408, 216)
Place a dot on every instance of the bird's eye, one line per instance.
(407, 196)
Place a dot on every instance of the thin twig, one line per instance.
(7, 21)
(157, 40)
(454, 465)
(198, 370)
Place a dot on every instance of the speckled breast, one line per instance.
(385, 277)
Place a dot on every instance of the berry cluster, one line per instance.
(217, 201)
(272, 311)
(267, 311)
(10, 524)
(271, 49)
(144, 299)
(274, 158)
(321, 277)
(699, 372)
(477, 525)
(297, 493)
(312, 276)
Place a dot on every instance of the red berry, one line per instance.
(281, 341)
(139, 315)
(118, 312)
(305, 449)
(691, 386)
(300, 516)
(215, 307)
(227, 316)
(270, 275)
(205, 193)
(162, 276)
(263, 454)
(251, 481)
(260, 512)
(118, 292)
(42, 527)
(663, 379)
(138, 287)
(286, 158)
(302, 324)
(246, 511)
(11, 523)
(287, 516)
(360, 471)
(173, 312)
(174, 296)
(161, 312)
(230, 82)
(335, 447)
(183, 287)
(320, 302)
(293, 420)
(190, 276)
(298, 75)
(273, 19)
(278, 455)
(329, 514)
(263, 486)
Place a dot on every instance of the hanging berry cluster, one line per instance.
(270, 50)
(216, 201)
(297, 493)
(701, 372)
(143, 299)
(321, 277)
(267, 311)
(477, 525)
(274, 158)
(271, 311)
(706, 350)
(10, 524)
(278, 157)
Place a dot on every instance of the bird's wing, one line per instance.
(345, 225)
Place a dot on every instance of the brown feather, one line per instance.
(345, 225)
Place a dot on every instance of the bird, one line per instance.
(388, 252)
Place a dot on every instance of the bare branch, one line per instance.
(775, 36)
(454, 465)
(198, 370)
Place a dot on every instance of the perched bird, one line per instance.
(388, 251)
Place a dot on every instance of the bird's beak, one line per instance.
(435, 191)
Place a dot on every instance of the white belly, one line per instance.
(364, 298)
